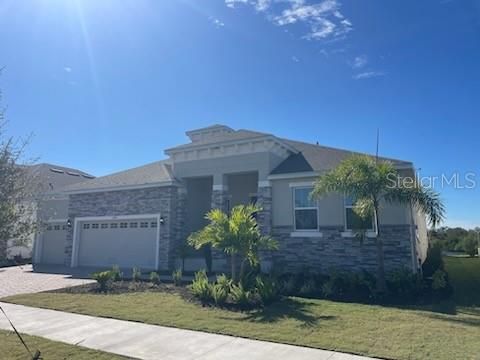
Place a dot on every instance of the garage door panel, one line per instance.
(123, 243)
(53, 245)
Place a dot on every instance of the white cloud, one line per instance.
(295, 59)
(217, 22)
(67, 69)
(359, 62)
(368, 75)
(323, 19)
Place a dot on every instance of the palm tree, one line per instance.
(237, 234)
(370, 182)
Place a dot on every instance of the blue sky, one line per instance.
(107, 85)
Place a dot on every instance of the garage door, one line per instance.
(53, 244)
(125, 243)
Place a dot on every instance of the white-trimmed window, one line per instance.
(86, 226)
(305, 212)
(353, 221)
(153, 224)
(94, 226)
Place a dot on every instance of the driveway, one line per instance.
(22, 280)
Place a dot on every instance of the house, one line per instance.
(142, 216)
(47, 201)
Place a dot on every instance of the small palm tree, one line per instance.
(237, 234)
(369, 182)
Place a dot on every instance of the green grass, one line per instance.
(397, 333)
(12, 349)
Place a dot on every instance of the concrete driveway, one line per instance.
(22, 280)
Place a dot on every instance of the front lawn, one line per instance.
(12, 349)
(398, 333)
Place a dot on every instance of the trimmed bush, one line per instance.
(219, 294)
(434, 260)
(201, 288)
(404, 286)
(136, 274)
(177, 276)
(154, 278)
(104, 278)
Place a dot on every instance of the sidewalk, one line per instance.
(144, 341)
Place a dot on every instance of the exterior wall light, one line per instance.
(162, 220)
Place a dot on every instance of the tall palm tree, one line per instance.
(370, 182)
(237, 234)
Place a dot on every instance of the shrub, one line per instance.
(404, 286)
(470, 245)
(241, 296)
(177, 276)
(337, 286)
(201, 288)
(434, 260)
(267, 289)
(104, 279)
(308, 288)
(439, 280)
(117, 275)
(136, 274)
(219, 294)
(288, 285)
(224, 282)
(154, 278)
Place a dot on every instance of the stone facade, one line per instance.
(220, 263)
(264, 200)
(333, 251)
(162, 200)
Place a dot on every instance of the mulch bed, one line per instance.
(125, 287)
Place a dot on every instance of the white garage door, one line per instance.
(125, 243)
(53, 244)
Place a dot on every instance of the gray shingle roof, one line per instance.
(317, 158)
(49, 177)
(237, 135)
(153, 173)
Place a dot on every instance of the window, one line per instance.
(86, 226)
(133, 225)
(153, 224)
(56, 227)
(94, 226)
(49, 228)
(354, 221)
(104, 226)
(144, 224)
(113, 226)
(305, 209)
(123, 225)
(64, 227)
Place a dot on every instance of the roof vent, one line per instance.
(58, 171)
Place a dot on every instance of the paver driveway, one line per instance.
(21, 280)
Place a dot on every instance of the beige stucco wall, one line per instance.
(331, 207)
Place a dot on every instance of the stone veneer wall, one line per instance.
(332, 251)
(156, 200)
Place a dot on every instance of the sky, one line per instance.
(107, 85)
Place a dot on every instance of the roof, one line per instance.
(49, 177)
(154, 173)
(237, 135)
(318, 158)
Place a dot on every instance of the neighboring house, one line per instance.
(48, 203)
(142, 216)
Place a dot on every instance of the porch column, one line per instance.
(219, 201)
(264, 200)
(264, 220)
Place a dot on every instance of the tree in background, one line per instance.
(17, 220)
(237, 234)
(370, 182)
(470, 244)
